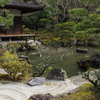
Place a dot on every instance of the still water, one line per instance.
(69, 61)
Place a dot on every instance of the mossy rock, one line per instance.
(4, 76)
(85, 92)
(27, 46)
(57, 74)
(15, 45)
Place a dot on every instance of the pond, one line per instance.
(68, 63)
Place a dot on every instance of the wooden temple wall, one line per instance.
(16, 28)
(2, 32)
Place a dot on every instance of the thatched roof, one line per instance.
(24, 7)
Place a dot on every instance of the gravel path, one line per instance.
(19, 91)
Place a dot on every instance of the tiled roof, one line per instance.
(23, 4)
(25, 7)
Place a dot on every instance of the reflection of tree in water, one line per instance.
(47, 57)
(46, 51)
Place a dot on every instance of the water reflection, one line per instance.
(68, 63)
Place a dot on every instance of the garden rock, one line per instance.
(2, 71)
(57, 74)
(79, 40)
(2, 45)
(95, 44)
(83, 63)
(24, 58)
(22, 48)
(47, 96)
(73, 42)
(34, 43)
(79, 44)
(81, 50)
(85, 44)
(78, 80)
(91, 40)
(63, 44)
(36, 81)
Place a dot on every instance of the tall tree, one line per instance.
(53, 9)
(64, 4)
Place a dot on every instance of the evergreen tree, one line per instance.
(7, 19)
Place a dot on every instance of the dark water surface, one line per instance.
(68, 63)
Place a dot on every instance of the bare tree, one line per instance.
(48, 56)
(64, 4)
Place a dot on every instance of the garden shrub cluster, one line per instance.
(2, 51)
(13, 47)
(13, 66)
(81, 24)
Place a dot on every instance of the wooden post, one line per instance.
(34, 38)
(0, 40)
(26, 39)
(9, 39)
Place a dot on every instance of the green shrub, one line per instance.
(78, 12)
(13, 66)
(94, 16)
(64, 30)
(12, 47)
(28, 47)
(2, 51)
(85, 24)
(4, 76)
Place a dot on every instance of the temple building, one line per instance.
(17, 8)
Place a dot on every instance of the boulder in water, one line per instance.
(22, 48)
(57, 74)
(85, 44)
(36, 81)
(79, 44)
(24, 58)
(81, 50)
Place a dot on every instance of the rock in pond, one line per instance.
(79, 50)
(22, 48)
(47, 96)
(24, 58)
(34, 43)
(36, 81)
(57, 74)
(79, 44)
(85, 44)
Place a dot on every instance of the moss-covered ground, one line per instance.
(85, 92)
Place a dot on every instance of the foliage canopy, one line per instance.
(7, 20)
